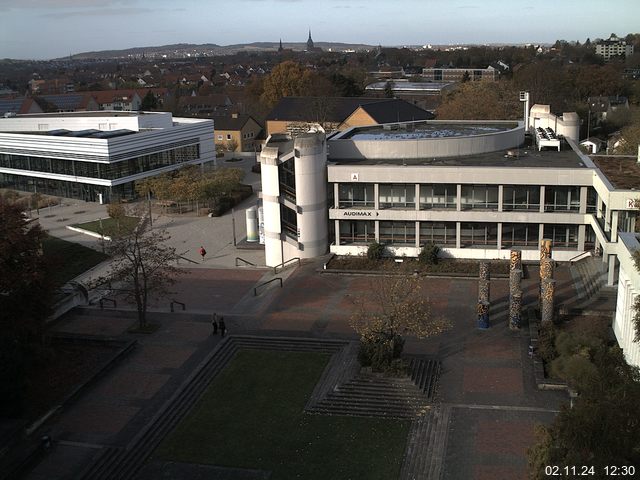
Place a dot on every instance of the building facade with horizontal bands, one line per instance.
(97, 156)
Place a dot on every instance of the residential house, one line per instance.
(237, 132)
(18, 106)
(295, 115)
(70, 102)
(204, 105)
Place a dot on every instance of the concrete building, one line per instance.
(613, 47)
(447, 75)
(628, 291)
(97, 156)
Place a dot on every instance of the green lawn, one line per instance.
(68, 259)
(108, 226)
(252, 416)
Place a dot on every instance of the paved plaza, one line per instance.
(487, 377)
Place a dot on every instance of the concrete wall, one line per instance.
(346, 148)
(567, 124)
(628, 291)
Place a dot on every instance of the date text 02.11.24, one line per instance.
(588, 470)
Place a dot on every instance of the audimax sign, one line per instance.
(360, 213)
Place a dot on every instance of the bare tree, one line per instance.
(143, 261)
(392, 308)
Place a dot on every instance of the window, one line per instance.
(219, 137)
(438, 196)
(561, 235)
(521, 197)
(289, 221)
(363, 232)
(397, 195)
(398, 233)
(562, 199)
(520, 235)
(478, 234)
(438, 233)
(356, 195)
(228, 136)
(592, 200)
(484, 197)
(287, 177)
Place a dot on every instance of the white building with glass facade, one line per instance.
(475, 189)
(97, 156)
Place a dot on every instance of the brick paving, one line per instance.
(487, 377)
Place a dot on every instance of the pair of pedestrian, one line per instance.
(218, 323)
(202, 252)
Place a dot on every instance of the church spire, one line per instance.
(309, 42)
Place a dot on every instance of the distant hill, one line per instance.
(182, 50)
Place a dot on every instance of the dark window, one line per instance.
(363, 232)
(478, 234)
(398, 233)
(520, 235)
(521, 197)
(356, 195)
(439, 233)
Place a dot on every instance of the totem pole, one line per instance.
(483, 296)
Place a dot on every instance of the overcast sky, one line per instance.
(43, 29)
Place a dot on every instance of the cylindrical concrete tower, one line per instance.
(295, 220)
(310, 156)
(252, 224)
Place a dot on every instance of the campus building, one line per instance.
(475, 189)
(97, 156)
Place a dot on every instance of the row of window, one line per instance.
(471, 234)
(444, 196)
(108, 171)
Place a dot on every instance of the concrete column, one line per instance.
(540, 233)
(499, 236)
(541, 201)
(583, 200)
(417, 196)
(611, 271)
(457, 234)
(614, 225)
(599, 204)
(459, 197)
(376, 192)
(337, 229)
(500, 200)
(582, 235)
(377, 224)
(607, 220)
(336, 195)
(417, 234)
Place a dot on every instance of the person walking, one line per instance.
(214, 323)
(203, 252)
(223, 327)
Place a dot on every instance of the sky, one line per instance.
(44, 29)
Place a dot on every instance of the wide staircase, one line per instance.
(590, 277)
(376, 395)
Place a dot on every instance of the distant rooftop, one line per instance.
(418, 87)
(622, 172)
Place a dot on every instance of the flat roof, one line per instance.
(93, 113)
(528, 157)
(623, 172)
(426, 130)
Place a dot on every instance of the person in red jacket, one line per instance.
(202, 252)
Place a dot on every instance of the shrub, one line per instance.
(376, 251)
(429, 254)
(547, 343)
(382, 354)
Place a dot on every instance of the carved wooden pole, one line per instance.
(548, 290)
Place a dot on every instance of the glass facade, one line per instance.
(562, 235)
(106, 171)
(483, 197)
(478, 234)
(362, 232)
(562, 199)
(356, 195)
(287, 179)
(395, 233)
(438, 196)
(520, 235)
(289, 220)
(521, 197)
(438, 233)
(402, 195)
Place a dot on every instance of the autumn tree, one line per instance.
(144, 263)
(287, 79)
(117, 212)
(25, 301)
(392, 308)
(601, 428)
(481, 101)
